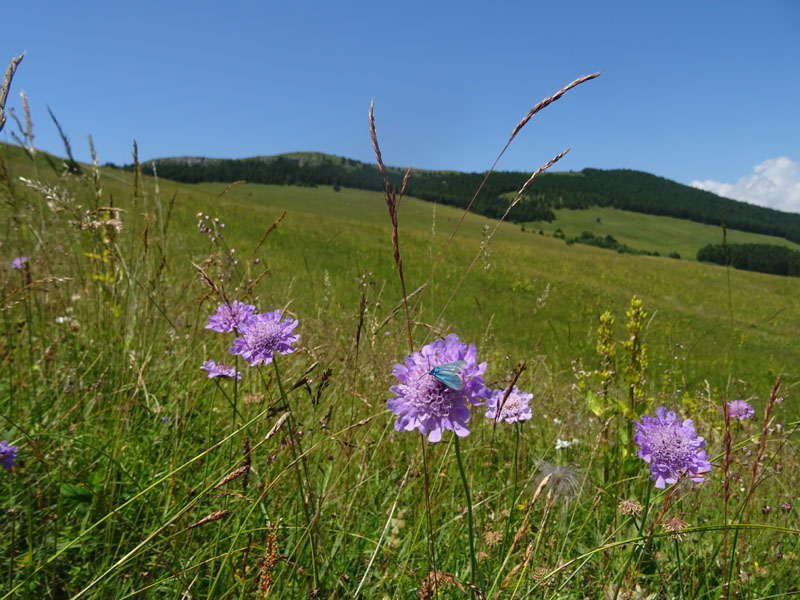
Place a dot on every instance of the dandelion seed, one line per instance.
(423, 402)
(739, 409)
(8, 454)
(515, 408)
(263, 335)
(671, 448)
(219, 370)
(230, 316)
(563, 481)
(17, 262)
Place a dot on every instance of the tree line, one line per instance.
(619, 188)
(764, 258)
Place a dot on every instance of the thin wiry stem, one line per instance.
(515, 201)
(753, 480)
(535, 109)
(727, 490)
(392, 201)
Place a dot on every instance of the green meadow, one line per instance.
(649, 232)
(137, 476)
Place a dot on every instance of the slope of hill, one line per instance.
(623, 189)
(531, 295)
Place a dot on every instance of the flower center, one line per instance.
(511, 406)
(428, 395)
(669, 446)
(263, 335)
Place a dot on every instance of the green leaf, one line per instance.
(595, 403)
(76, 493)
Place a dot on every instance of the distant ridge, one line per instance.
(624, 189)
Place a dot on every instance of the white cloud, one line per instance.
(774, 183)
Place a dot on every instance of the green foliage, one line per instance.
(608, 242)
(764, 258)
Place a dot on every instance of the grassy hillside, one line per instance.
(135, 475)
(648, 232)
(617, 188)
(712, 324)
(708, 330)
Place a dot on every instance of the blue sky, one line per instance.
(699, 92)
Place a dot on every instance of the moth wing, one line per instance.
(450, 374)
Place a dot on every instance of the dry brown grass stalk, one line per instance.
(517, 372)
(517, 198)
(247, 460)
(392, 201)
(754, 480)
(12, 68)
(545, 103)
(515, 570)
(215, 516)
(535, 109)
(521, 532)
(270, 560)
(208, 280)
(269, 230)
(726, 487)
(235, 474)
(275, 428)
(251, 286)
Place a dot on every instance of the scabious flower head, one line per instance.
(8, 454)
(671, 447)
(740, 409)
(515, 408)
(263, 335)
(422, 402)
(17, 262)
(219, 370)
(230, 316)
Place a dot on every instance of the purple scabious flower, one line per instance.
(8, 454)
(230, 316)
(219, 370)
(514, 409)
(263, 335)
(671, 447)
(17, 263)
(740, 409)
(422, 402)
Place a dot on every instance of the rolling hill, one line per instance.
(622, 189)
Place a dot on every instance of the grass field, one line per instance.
(648, 232)
(138, 476)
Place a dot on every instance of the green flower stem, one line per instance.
(680, 571)
(470, 523)
(305, 494)
(507, 532)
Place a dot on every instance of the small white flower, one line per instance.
(562, 444)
